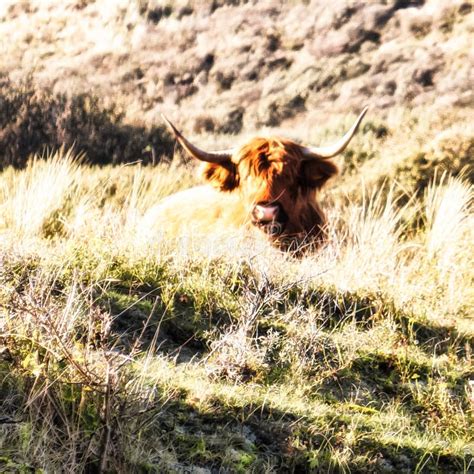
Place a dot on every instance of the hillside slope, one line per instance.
(224, 66)
(126, 352)
(97, 75)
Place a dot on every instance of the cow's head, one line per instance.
(277, 180)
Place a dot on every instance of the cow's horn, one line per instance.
(210, 157)
(338, 147)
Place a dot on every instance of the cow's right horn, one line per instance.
(210, 157)
(338, 147)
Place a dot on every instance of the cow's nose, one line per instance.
(265, 212)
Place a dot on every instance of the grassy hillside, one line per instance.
(124, 351)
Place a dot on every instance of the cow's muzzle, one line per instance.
(270, 218)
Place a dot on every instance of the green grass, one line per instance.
(122, 351)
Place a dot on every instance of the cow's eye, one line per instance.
(263, 163)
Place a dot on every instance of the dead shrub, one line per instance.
(33, 120)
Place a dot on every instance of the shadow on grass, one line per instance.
(178, 434)
(180, 323)
(336, 308)
(177, 327)
(253, 436)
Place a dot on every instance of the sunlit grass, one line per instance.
(366, 344)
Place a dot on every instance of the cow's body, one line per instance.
(198, 210)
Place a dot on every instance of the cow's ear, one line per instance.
(317, 172)
(224, 176)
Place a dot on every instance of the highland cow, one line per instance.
(269, 183)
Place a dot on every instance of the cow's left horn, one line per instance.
(210, 157)
(338, 147)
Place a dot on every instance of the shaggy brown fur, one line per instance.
(273, 170)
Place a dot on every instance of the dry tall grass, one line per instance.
(126, 352)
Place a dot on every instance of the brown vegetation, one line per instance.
(243, 65)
